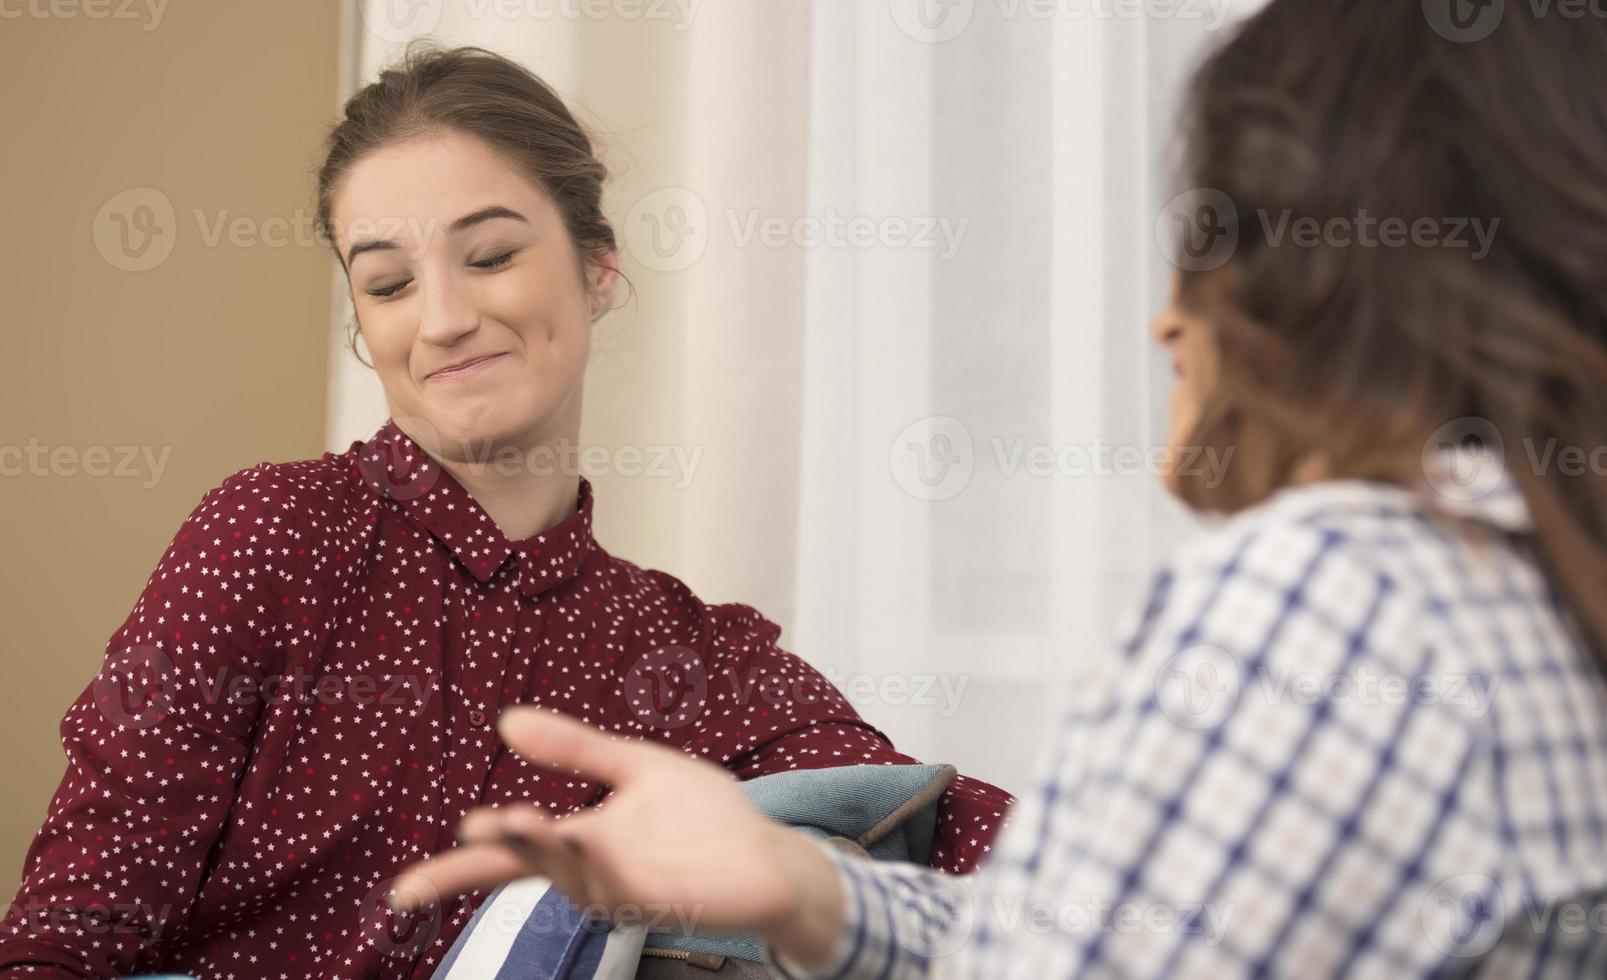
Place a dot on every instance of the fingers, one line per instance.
(557, 742)
(482, 825)
(457, 872)
(497, 845)
(604, 883)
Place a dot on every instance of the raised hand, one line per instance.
(676, 833)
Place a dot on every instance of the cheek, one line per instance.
(550, 312)
(1197, 360)
(1185, 409)
(388, 340)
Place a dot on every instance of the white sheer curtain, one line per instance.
(974, 512)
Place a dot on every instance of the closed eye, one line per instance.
(385, 291)
(495, 262)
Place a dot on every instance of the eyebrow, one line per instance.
(467, 221)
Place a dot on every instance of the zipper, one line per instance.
(703, 961)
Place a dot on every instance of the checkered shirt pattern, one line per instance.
(1351, 731)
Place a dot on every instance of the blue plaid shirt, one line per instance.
(1351, 732)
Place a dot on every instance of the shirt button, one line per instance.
(476, 716)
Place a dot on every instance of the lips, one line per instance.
(465, 368)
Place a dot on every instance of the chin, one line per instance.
(496, 419)
(1168, 473)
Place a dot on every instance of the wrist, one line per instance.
(808, 930)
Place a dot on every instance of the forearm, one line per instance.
(70, 922)
(65, 937)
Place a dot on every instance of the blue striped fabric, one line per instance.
(528, 930)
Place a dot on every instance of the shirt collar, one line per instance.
(1473, 483)
(398, 469)
(1469, 484)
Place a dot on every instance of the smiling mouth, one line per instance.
(465, 369)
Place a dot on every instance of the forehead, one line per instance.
(410, 190)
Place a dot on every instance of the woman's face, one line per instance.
(1187, 338)
(469, 294)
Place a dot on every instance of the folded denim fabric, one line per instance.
(527, 930)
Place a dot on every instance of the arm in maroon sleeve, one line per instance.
(154, 748)
(769, 711)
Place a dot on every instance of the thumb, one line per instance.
(556, 741)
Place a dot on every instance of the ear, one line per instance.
(602, 278)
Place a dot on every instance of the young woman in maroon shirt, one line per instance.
(302, 700)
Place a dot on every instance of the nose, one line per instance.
(447, 310)
(1168, 327)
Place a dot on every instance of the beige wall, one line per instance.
(215, 357)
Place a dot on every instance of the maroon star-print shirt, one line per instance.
(302, 702)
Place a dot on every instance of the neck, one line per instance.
(1310, 469)
(524, 484)
(521, 504)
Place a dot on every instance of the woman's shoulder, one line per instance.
(1322, 550)
(308, 501)
(662, 602)
(1366, 523)
(1391, 568)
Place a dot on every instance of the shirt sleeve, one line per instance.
(764, 710)
(1263, 787)
(154, 746)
